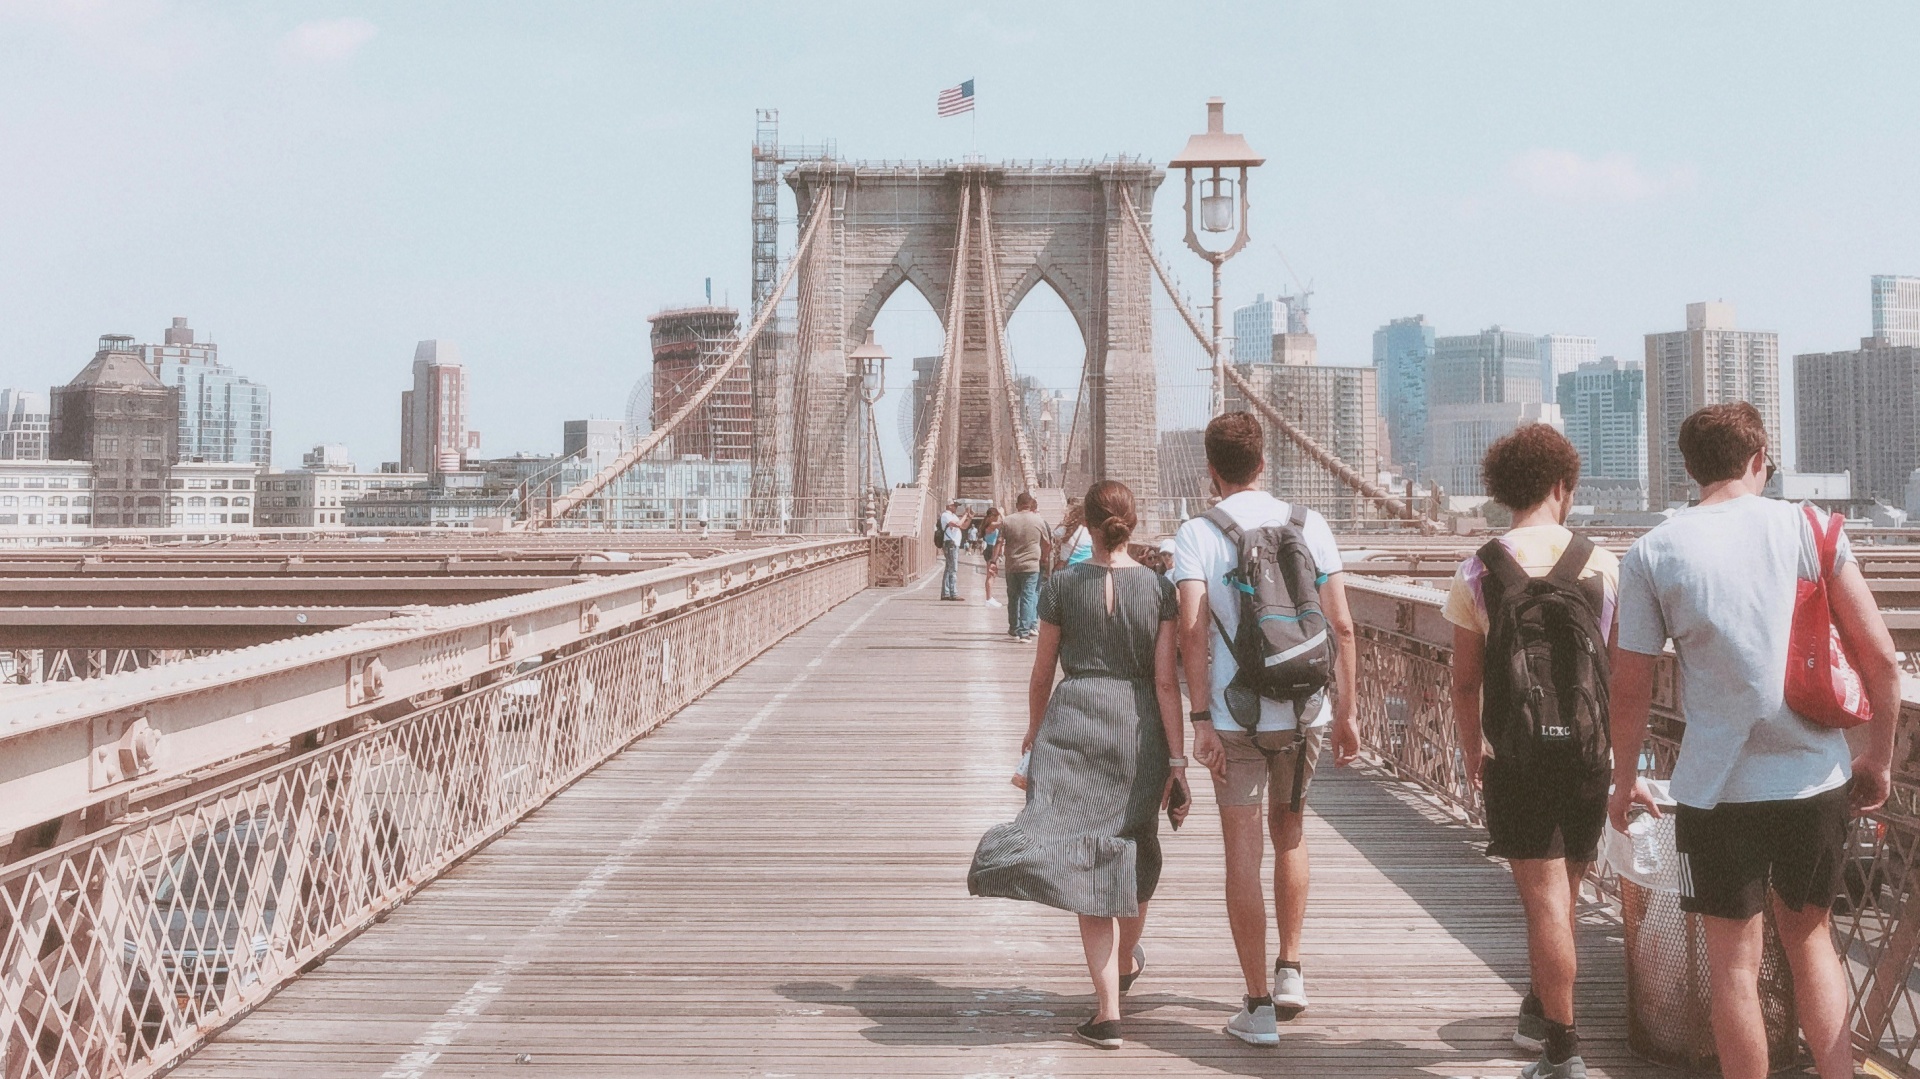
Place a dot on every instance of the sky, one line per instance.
(317, 186)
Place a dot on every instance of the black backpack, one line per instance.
(1544, 694)
(1283, 648)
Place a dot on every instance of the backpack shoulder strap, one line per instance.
(1573, 562)
(1298, 517)
(1502, 568)
(1228, 527)
(1503, 575)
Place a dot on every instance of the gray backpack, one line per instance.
(1284, 647)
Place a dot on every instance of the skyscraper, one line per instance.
(1562, 353)
(1402, 352)
(116, 414)
(1492, 365)
(23, 425)
(433, 415)
(1896, 309)
(1859, 411)
(1708, 363)
(1604, 407)
(1479, 387)
(1254, 326)
(223, 418)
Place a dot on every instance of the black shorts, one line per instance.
(1731, 854)
(1545, 813)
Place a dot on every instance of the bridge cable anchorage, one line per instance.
(1023, 447)
(587, 489)
(1315, 452)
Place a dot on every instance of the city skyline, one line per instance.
(340, 169)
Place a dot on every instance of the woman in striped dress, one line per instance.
(1106, 747)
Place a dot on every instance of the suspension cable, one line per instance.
(1319, 454)
(585, 490)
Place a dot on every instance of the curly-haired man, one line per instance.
(1543, 815)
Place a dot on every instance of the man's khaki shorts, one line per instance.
(1256, 762)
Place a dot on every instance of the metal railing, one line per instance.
(1406, 723)
(124, 949)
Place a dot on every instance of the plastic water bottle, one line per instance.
(1020, 773)
(1641, 829)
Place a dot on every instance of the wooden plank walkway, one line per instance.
(773, 884)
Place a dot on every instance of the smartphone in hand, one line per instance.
(1176, 800)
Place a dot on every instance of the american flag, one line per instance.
(956, 100)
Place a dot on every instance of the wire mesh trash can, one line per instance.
(1669, 1007)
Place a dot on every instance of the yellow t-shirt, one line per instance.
(1536, 548)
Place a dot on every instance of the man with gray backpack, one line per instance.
(1531, 613)
(1265, 629)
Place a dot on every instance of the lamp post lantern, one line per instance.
(869, 364)
(1213, 153)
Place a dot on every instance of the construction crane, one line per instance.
(1299, 303)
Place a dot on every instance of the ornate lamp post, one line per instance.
(869, 360)
(1213, 151)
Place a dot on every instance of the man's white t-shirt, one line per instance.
(1201, 552)
(1719, 581)
(950, 522)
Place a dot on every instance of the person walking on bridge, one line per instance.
(1543, 597)
(1024, 544)
(1105, 757)
(1766, 794)
(953, 530)
(1249, 741)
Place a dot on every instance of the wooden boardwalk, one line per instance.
(773, 884)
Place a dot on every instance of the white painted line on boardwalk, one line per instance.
(461, 1013)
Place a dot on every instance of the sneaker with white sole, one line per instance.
(1255, 1023)
(1571, 1068)
(1104, 1035)
(1289, 992)
(993, 603)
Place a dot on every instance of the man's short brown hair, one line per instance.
(1235, 441)
(1717, 441)
(1521, 468)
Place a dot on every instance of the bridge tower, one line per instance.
(896, 224)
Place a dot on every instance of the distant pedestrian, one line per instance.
(1073, 544)
(1025, 545)
(1545, 793)
(953, 529)
(1766, 794)
(990, 550)
(1106, 757)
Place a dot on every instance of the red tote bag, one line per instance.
(1822, 683)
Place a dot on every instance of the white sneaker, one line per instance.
(1289, 992)
(993, 603)
(1255, 1026)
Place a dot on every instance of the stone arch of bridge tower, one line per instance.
(881, 293)
(1079, 305)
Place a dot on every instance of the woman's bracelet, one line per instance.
(1176, 762)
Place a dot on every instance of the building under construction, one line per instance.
(1334, 406)
(688, 344)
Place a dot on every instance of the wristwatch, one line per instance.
(1176, 762)
(1204, 716)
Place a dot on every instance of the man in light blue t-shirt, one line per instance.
(1278, 754)
(1765, 796)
